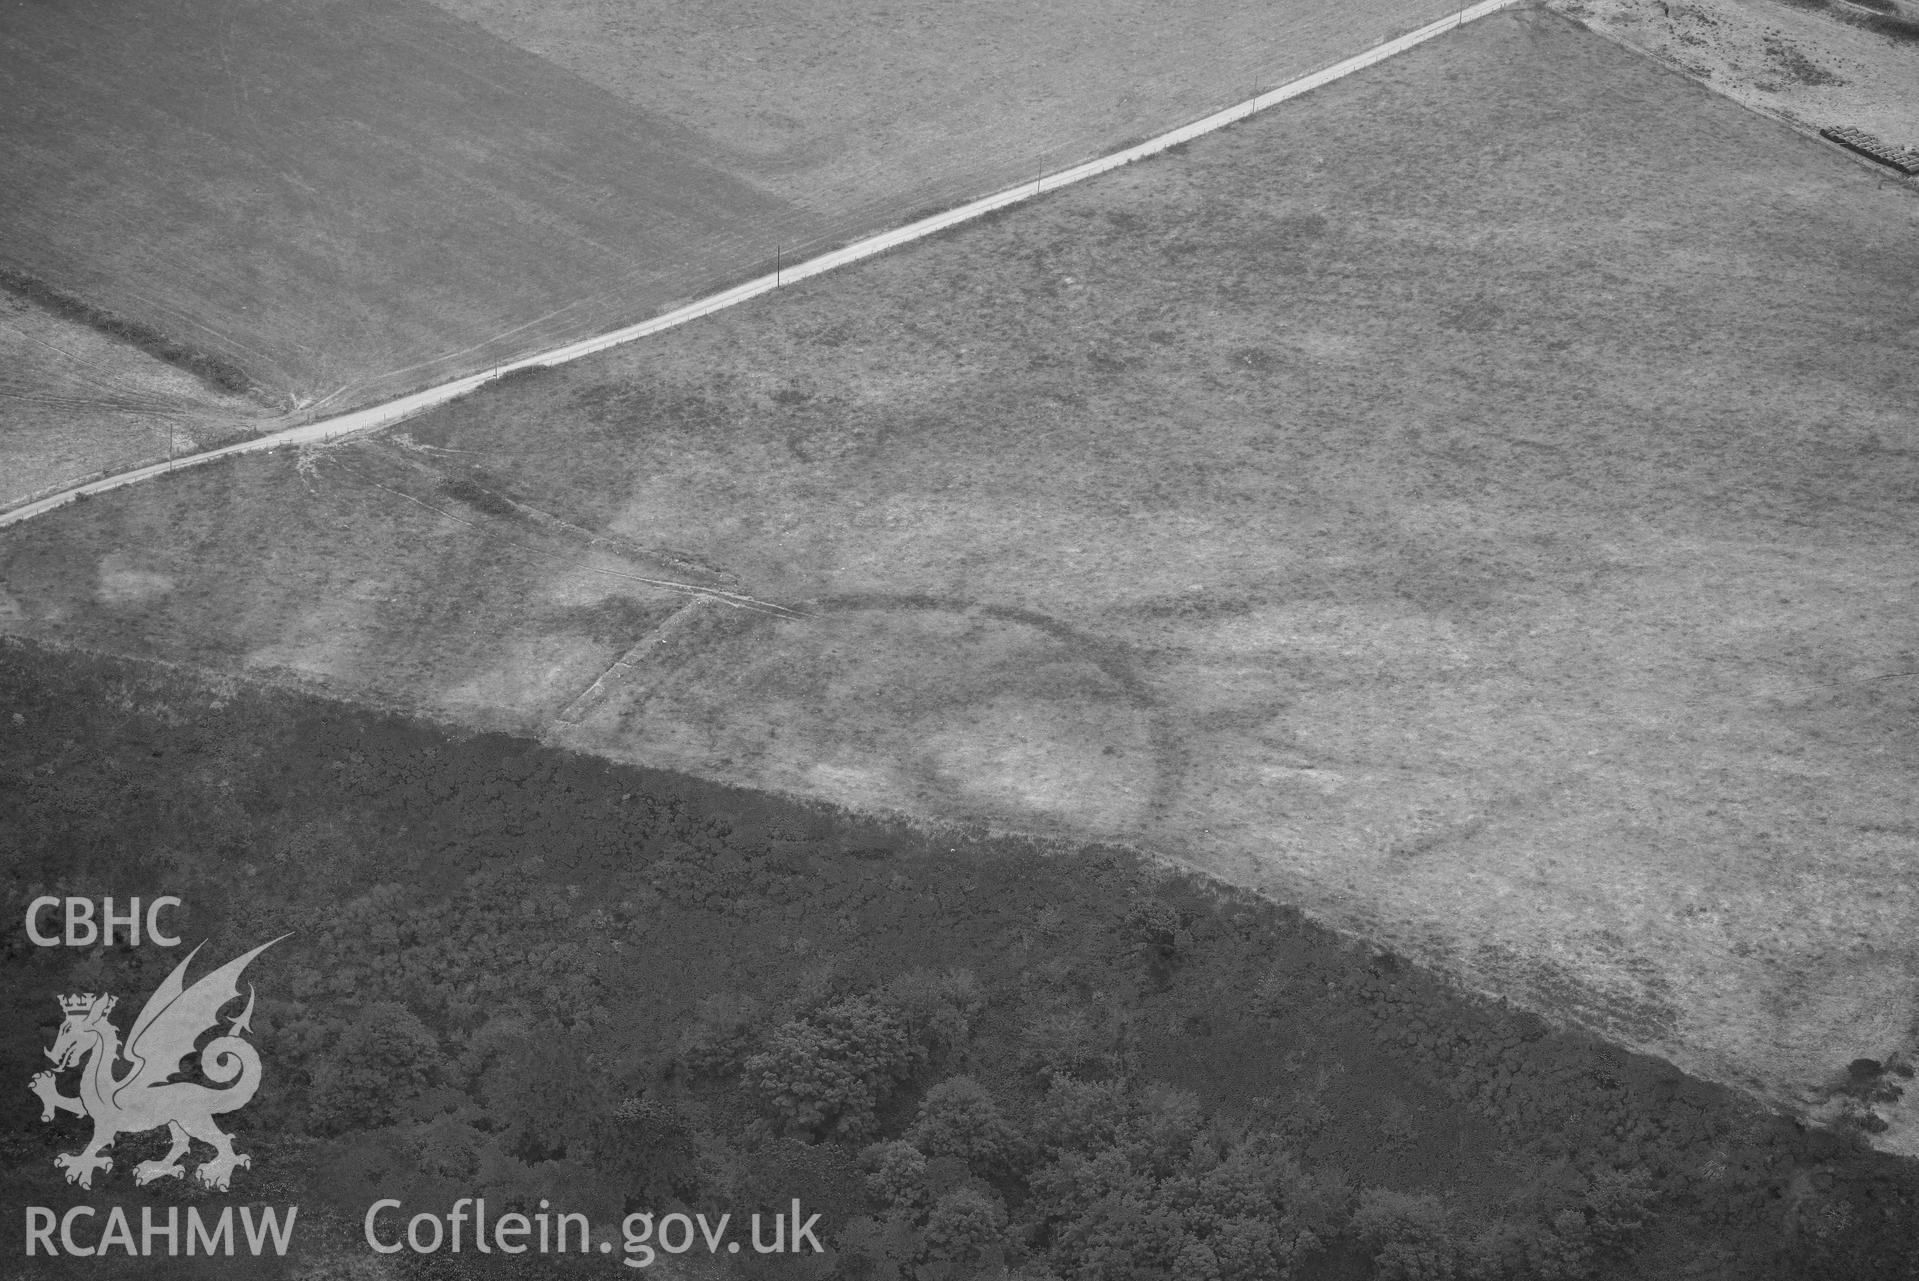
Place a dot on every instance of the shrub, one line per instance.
(524, 374)
(958, 1118)
(1079, 1116)
(651, 1151)
(547, 1105)
(1604, 1222)
(1196, 1261)
(964, 1227)
(447, 1148)
(1249, 1249)
(879, 1249)
(1070, 1041)
(937, 1010)
(1618, 1205)
(1408, 1235)
(380, 1065)
(826, 1073)
(1562, 1249)
(1154, 928)
(1164, 1125)
(897, 1175)
(1137, 1188)
(1396, 1128)
(725, 1028)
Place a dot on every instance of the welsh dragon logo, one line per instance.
(144, 1096)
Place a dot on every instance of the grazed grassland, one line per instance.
(1473, 502)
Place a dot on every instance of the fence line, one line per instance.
(390, 412)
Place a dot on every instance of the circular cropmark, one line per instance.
(942, 709)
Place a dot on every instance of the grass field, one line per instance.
(349, 198)
(1472, 502)
(870, 107)
(78, 402)
(358, 198)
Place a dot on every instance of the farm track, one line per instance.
(384, 415)
(498, 508)
(653, 655)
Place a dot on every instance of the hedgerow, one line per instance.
(215, 369)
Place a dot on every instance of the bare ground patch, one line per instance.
(1822, 65)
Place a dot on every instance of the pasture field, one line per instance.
(1472, 503)
(358, 198)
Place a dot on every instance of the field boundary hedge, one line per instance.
(209, 367)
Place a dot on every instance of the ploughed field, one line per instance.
(352, 199)
(1473, 503)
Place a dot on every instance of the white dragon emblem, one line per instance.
(145, 1096)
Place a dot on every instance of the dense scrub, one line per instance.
(522, 974)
